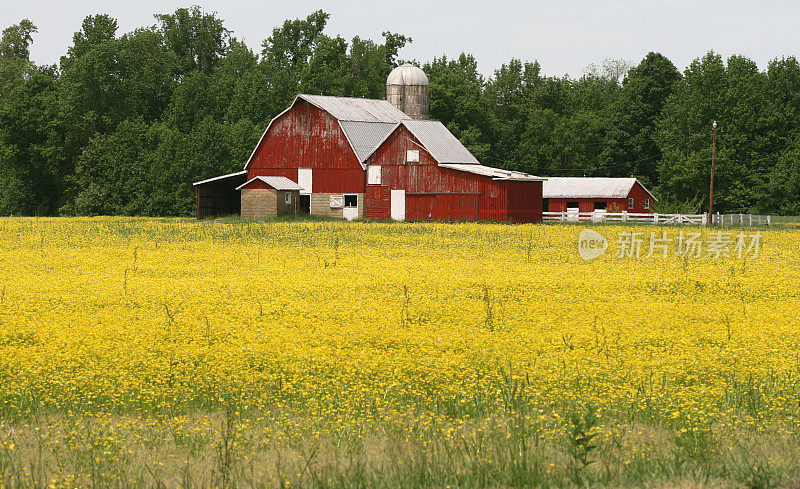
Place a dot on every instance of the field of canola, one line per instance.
(175, 353)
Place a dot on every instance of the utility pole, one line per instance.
(711, 189)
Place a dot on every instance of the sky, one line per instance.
(564, 36)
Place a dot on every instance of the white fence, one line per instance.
(741, 220)
(655, 218)
(647, 217)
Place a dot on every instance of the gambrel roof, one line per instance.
(590, 188)
(365, 122)
(356, 109)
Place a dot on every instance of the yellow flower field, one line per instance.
(156, 344)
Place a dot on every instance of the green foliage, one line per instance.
(127, 122)
(580, 438)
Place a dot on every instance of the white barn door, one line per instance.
(398, 205)
(304, 179)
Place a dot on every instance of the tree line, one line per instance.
(125, 122)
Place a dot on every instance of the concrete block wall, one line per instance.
(259, 203)
(321, 205)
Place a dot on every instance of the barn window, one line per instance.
(374, 175)
(288, 198)
(572, 205)
(351, 200)
(646, 203)
(412, 156)
(599, 206)
(630, 204)
(337, 200)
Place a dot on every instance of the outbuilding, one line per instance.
(589, 194)
(264, 197)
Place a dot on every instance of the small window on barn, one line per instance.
(288, 198)
(630, 204)
(572, 205)
(374, 175)
(599, 206)
(351, 200)
(412, 156)
(646, 203)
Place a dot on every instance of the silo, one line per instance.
(407, 89)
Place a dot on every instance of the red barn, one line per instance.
(587, 194)
(355, 158)
(421, 171)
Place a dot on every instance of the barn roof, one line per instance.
(495, 173)
(366, 136)
(440, 142)
(278, 183)
(589, 188)
(356, 109)
(365, 122)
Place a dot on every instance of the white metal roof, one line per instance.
(356, 109)
(366, 136)
(495, 173)
(278, 183)
(221, 177)
(407, 75)
(440, 142)
(589, 187)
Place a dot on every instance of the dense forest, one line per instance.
(125, 122)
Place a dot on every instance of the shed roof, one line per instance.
(495, 173)
(278, 183)
(443, 146)
(356, 109)
(589, 187)
(222, 177)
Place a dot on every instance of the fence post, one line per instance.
(704, 220)
(751, 219)
(769, 220)
(624, 216)
(655, 218)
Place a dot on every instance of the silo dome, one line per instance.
(407, 89)
(407, 75)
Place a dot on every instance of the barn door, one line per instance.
(398, 205)
(304, 179)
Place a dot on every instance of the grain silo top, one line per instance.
(407, 75)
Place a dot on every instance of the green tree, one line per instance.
(198, 39)
(630, 146)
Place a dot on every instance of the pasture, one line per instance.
(175, 353)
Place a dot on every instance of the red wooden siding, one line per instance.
(524, 201)
(308, 137)
(437, 193)
(638, 193)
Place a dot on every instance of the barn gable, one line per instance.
(363, 122)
